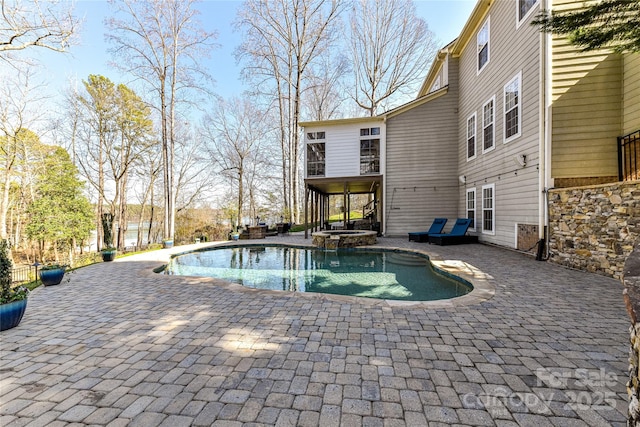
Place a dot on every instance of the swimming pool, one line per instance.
(370, 273)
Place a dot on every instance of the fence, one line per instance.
(23, 274)
(29, 273)
(629, 157)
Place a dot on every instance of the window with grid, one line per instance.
(471, 137)
(488, 209)
(524, 7)
(487, 126)
(311, 136)
(483, 46)
(315, 159)
(512, 101)
(471, 207)
(369, 151)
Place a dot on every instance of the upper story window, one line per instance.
(369, 151)
(315, 154)
(524, 7)
(483, 45)
(512, 108)
(487, 125)
(471, 137)
(315, 135)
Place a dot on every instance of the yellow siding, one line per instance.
(586, 108)
(631, 93)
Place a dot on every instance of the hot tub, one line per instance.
(334, 239)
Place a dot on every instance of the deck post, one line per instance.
(306, 209)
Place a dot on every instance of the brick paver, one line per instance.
(119, 345)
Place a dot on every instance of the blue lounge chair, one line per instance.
(436, 227)
(456, 236)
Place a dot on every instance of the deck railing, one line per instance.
(629, 157)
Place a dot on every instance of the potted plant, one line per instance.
(108, 252)
(52, 274)
(13, 301)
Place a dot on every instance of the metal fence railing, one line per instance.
(629, 157)
(23, 275)
(29, 273)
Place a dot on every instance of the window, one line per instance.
(488, 209)
(369, 152)
(487, 126)
(471, 207)
(315, 159)
(471, 137)
(483, 46)
(524, 7)
(369, 131)
(315, 154)
(512, 102)
(315, 135)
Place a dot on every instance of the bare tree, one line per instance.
(390, 48)
(48, 24)
(162, 44)
(327, 91)
(282, 38)
(193, 169)
(235, 130)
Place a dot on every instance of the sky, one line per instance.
(445, 19)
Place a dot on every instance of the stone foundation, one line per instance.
(594, 228)
(343, 239)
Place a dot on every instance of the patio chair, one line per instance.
(456, 236)
(436, 227)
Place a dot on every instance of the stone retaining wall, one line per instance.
(631, 281)
(594, 228)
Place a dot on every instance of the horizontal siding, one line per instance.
(342, 147)
(586, 108)
(513, 50)
(421, 163)
(631, 93)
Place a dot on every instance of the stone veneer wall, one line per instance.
(631, 281)
(594, 228)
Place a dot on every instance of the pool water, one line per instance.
(357, 272)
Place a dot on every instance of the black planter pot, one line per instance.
(11, 314)
(52, 276)
(108, 255)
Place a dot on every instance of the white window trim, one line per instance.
(488, 24)
(475, 209)
(504, 109)
(475, 137)
(493, 209)
(527, 15)
(493, 145)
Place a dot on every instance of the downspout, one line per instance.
(383, 190)
(545, 131)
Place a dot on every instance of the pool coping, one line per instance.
(483, 286)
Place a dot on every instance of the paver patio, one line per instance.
(120, 345)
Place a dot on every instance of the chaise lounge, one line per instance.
(456, 236)
(423, 236)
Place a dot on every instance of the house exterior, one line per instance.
(504, 114)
